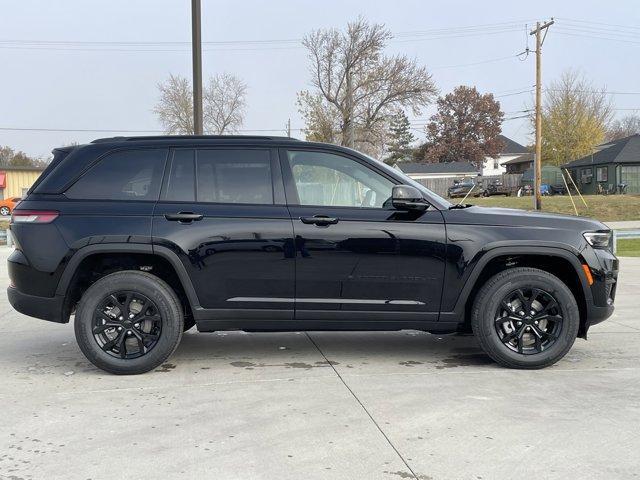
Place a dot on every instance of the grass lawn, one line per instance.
(628, 247)
(604, 208)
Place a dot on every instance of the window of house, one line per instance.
(586, 174)
(602, 174)
(630, 176)
(122, 175)
(332, 180)
(496, 164)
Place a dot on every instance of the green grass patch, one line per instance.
(610, 208)
(628, 247)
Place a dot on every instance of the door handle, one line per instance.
(183, 217)
(319, 220)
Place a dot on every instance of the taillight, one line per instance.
(33, 216)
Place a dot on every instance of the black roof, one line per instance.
(625, 150)
(511, 147)
(450, 167)
(526, 158)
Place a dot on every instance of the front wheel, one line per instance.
(128, 322)
(525, 318)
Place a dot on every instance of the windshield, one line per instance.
(441, 202)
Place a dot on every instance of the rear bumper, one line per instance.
(44, 308)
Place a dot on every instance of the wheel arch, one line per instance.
(563, 263)
(94, 261)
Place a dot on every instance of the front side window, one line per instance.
(326, 179)
(123, 175)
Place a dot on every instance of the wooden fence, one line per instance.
(440, 185)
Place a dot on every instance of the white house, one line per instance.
(511, 150)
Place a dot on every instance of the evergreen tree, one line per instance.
(400, 139)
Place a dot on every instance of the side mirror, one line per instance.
(406, 197)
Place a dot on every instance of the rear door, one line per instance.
(357, 257)
(222, 210)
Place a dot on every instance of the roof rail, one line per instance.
(191, 137)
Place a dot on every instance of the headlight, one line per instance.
(599, 239)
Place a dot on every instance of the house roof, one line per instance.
(424, 168)
(511, 147)
(23, 168)
(526, 158)
(625, 150)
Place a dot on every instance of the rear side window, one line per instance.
(124, 175)
(221, 176)
(181, 185)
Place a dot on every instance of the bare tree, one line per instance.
(358, 88)
(624, 127)
(224, 104)
(175, 107)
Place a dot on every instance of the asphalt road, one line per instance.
(393, 405)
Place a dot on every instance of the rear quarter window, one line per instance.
(122, 175)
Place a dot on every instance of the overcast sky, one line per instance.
(106, 85)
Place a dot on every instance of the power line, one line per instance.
(120, 130)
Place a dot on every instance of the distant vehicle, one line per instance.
(497, 188)
(7, 205)
(460, 188)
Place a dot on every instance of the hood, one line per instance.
(521, 218)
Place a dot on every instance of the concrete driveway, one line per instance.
(396, 405)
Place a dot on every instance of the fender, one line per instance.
(167, 254)
(498, 249)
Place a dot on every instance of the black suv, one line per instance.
(145, 237)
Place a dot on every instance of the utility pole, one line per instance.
(289, 128)
(196, 48)
(537, 160)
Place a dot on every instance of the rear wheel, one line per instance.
(5, 211)
(128, 322)
(525, 318)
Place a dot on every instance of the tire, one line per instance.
(167, 314)
(487, 322)
(5, 211)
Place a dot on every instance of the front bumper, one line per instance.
(44, 308)
(604, 268)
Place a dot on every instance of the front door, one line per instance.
(356, 257)
(222, 210)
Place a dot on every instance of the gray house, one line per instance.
(610, 165)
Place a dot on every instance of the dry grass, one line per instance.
(604, 208)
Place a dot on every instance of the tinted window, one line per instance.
(234, 176)
(332, 180)
(126, 175)
(181, 185)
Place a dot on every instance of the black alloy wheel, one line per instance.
(127, 324)
(528, 320)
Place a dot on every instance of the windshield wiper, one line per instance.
(460, 205)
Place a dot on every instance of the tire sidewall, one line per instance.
(168, 308)
(484, 321)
